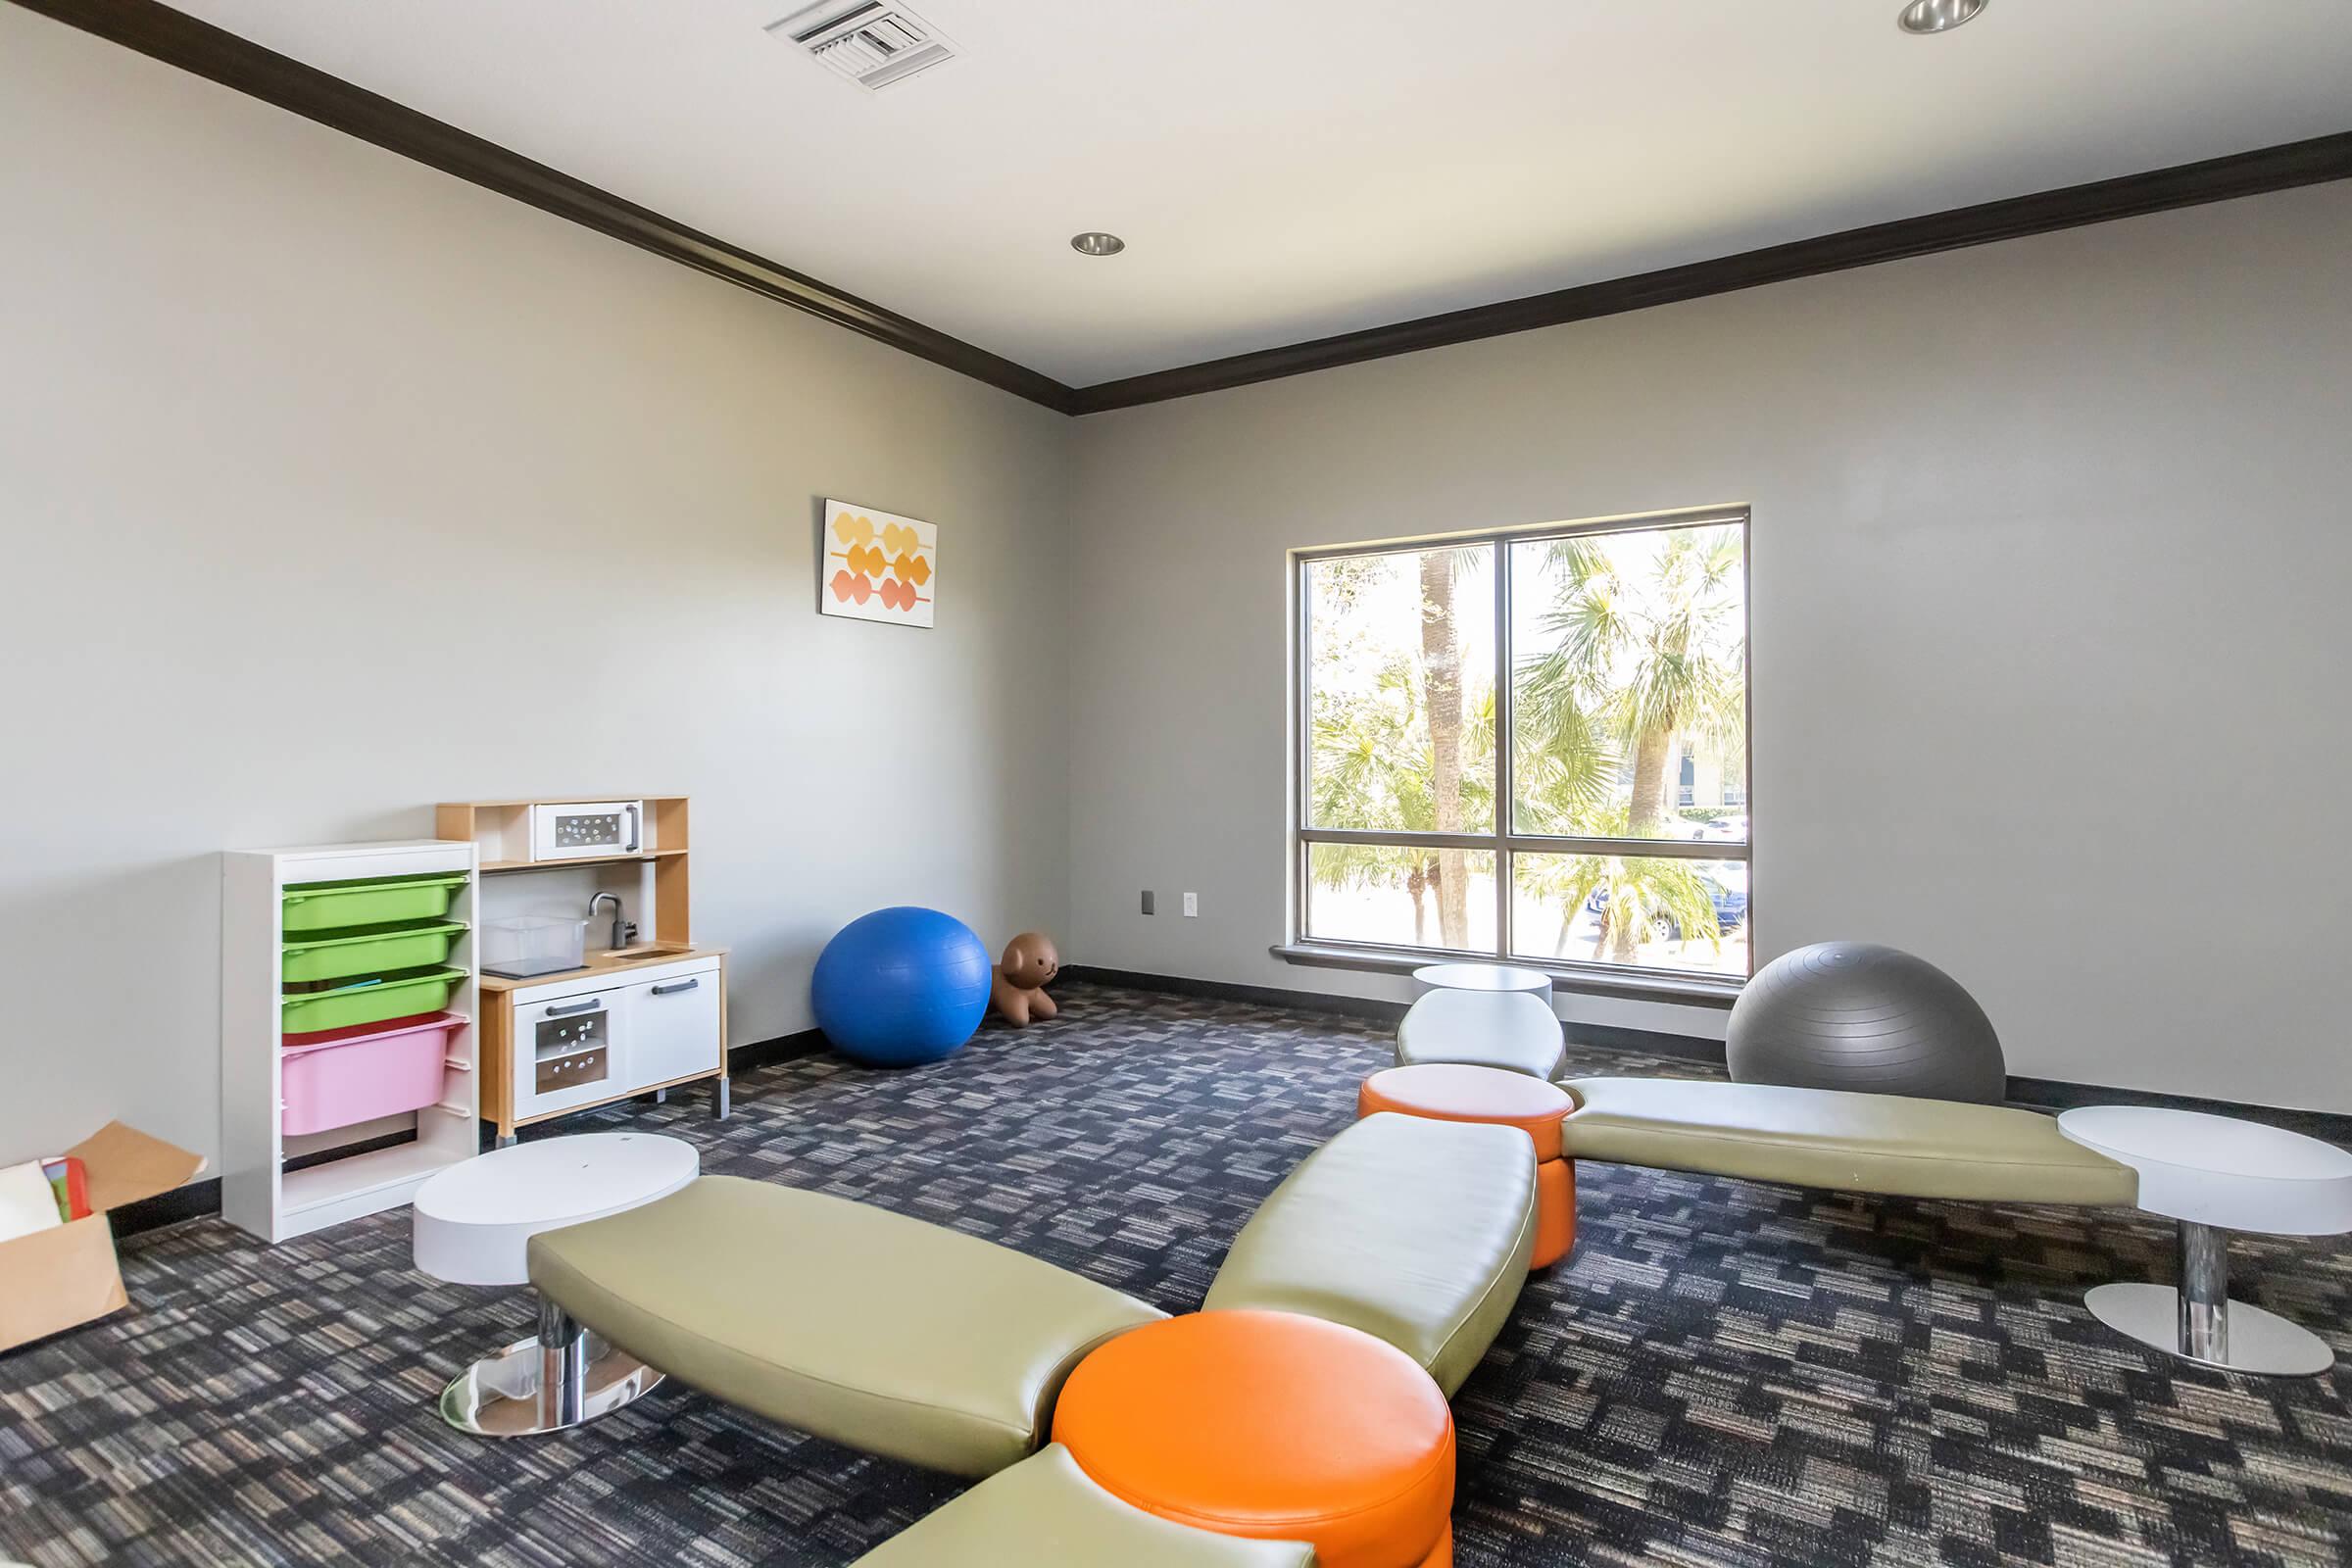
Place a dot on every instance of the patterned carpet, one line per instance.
(1722, 1374)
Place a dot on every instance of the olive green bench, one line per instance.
(1416, 1232)
(1836, 1139)
(878, 1330)
(1840, 1140)
(946, 1350)
(925, 1345)
(942, 1350)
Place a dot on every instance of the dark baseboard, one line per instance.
(784, 1047)
(2053, 1095)
(1367, 1007)
(195, 1200)
(198, 1200)
(2032, 1093)
(1372, 1009)
(1648, 1042)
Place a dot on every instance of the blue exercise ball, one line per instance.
(900, 986)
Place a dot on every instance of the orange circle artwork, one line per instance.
(878, 567)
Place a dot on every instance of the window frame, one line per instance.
(1505, 841)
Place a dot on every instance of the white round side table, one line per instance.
(2213, 1175)
(1482, 978)
(473, 1222)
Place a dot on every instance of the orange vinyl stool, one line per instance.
(1451, 1092)
(1272, 1424)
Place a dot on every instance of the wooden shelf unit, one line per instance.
(590, 859)
(258, 1192)
(501, 830)
(663, 952)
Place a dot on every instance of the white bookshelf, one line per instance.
(258, 1192)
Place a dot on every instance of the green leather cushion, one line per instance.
(1506, 1029)
(840, 1318)
(1044, 1513)
(1417, 1232)
(1838, 1139)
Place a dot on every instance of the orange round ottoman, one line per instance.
(1272, 1424)
(1450, 1092)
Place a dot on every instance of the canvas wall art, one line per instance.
(877, 566)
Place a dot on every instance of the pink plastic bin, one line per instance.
(337, 1082)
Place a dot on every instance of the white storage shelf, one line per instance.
(257, 1192)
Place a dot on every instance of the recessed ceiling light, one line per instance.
(1094, 242)
(1937, 16)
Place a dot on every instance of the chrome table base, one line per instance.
(559, 1377)
(2198, 1322)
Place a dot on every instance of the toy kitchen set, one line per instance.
(592, 985)
(380, 1000)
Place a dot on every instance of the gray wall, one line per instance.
(332, 487)
(2049, 567)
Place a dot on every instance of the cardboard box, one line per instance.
(56, 1279)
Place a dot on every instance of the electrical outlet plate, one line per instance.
(1192, 905)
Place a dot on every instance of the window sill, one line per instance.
(1689, 990)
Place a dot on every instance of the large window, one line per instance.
(1529, 746)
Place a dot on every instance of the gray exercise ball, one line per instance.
(1857, 1015)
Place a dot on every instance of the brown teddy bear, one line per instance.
(1017, 988)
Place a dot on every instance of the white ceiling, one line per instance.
(1291, 169)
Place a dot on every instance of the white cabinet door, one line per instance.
(570, 1049)
(674, 1026)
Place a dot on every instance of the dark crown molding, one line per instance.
(2301, 163)
(176, 38)
(179, 39)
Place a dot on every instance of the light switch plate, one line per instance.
(1192, 904)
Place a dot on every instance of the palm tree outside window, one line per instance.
(1529, 745)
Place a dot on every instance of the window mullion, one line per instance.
(1637, 848)
(1503, 742)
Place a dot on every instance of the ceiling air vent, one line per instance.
(872, 42)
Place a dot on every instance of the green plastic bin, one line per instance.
(373, 951)
(391, 996)
(371, 901)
